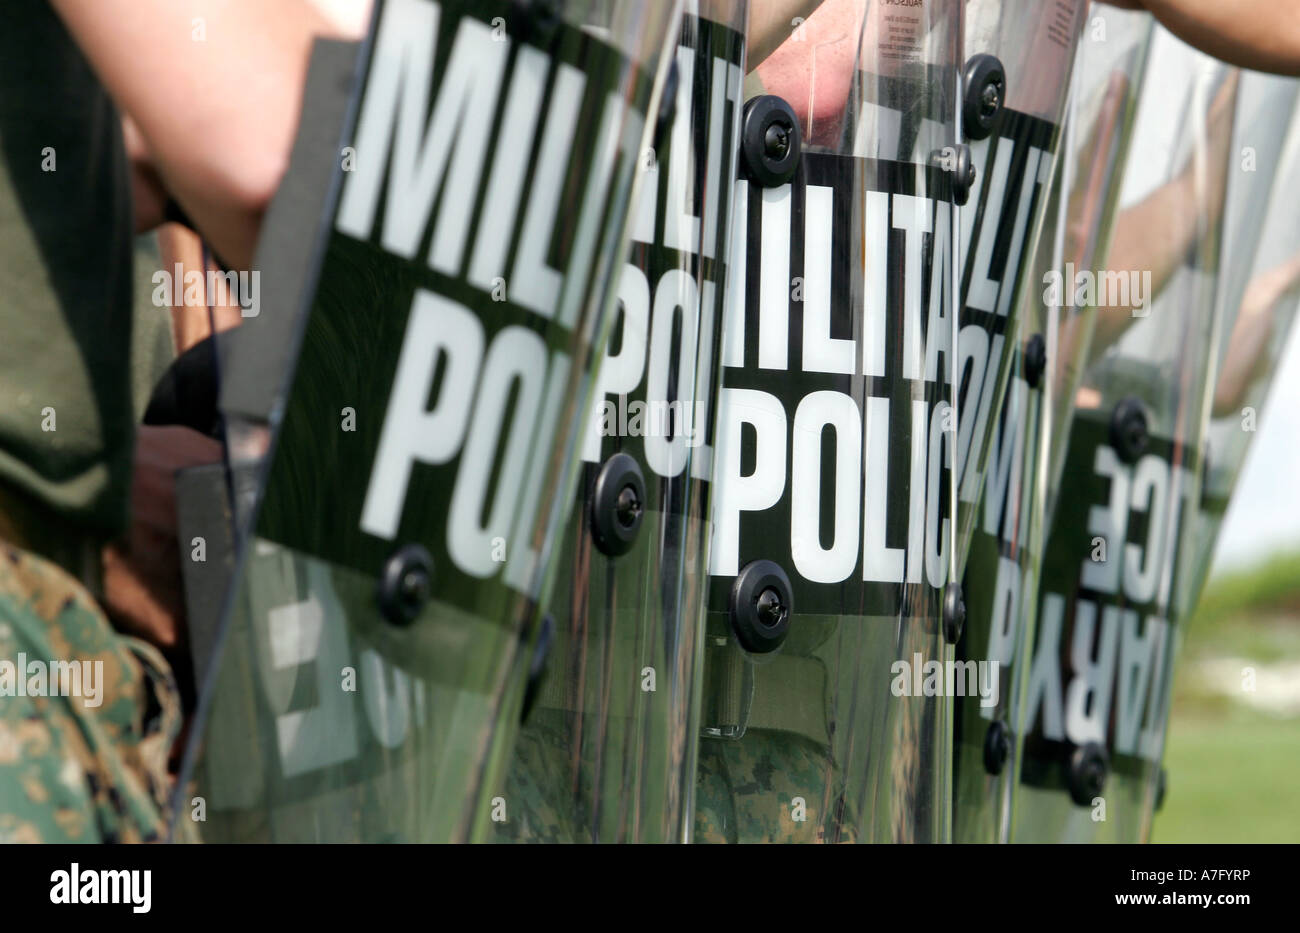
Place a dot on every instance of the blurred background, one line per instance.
(1233, 754)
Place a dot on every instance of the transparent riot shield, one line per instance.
(1019, 59)
(608, 750)
(832, 530)
(374, 651)
(1260, 291)
(1001, 580)
(1107, 628)
(1116, 43)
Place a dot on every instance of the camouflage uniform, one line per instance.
(746, 790)
(69, 771)
(537, 806)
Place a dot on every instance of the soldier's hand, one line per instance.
(142, 582)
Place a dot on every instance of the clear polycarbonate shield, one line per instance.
(1115, 45)
(608, 751)
(1260, 290)
(374, 652)
(1001, 579)
(1108, 615)
(1019, 56)
(832, 531)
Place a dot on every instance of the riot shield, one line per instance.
(1001, 579)
(1258, 298)
(375, 648)
(1107, 627)
(608, 751)
(1019, 58)
(832, 530)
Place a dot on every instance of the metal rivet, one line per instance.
(991, 100)
(406, 584)
(617, 505)
(1128, 429)
(986, 93)
(1086, 773)
(777, 142)
(628, 507)
(957, 161)
(761, 605)
(997, 746)
(769, 140)
(954, 613)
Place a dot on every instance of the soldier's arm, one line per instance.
(1252, 334)
(1259, 34)
(147, 192)
(1156, 234)
(829, 41)
(350, 17)
(214, 87)
(771, 22)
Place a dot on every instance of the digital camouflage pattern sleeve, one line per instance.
(746, 792)
(90, 767)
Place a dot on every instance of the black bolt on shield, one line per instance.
(986, 91)
(997, 747)
(769, 141)
(405, 584)
(1128, 429)
(954, 613)
(617, 505)
(1085, 773)
(761, 603)
(957, 160)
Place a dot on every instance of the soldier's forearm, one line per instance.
(215, 87)
(1259, 34)
(147, 193)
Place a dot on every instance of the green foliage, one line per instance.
(1272, 587)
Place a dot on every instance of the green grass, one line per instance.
(1233, 771)
(1232, 778)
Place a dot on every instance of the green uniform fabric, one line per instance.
(748, 792)
(541, 785)
(65, 279)
(152, 348)
(82, 761)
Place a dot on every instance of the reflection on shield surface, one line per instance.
(1258, 298)
(375, 652)
(1112, 589)
(1001, 578)
(832, 538)
(608, 752)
